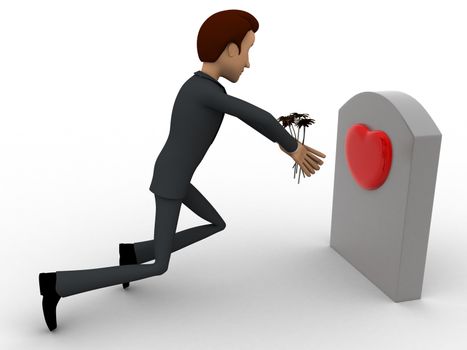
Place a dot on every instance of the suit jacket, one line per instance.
(197, 115)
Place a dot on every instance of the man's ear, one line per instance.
(232, 50)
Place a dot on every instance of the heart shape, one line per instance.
(369, 155)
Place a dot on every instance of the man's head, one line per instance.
(224, 41)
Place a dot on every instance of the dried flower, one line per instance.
(299, 121)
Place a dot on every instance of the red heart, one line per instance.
(369, 155)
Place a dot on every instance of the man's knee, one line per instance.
(159, 268)
(221, 224)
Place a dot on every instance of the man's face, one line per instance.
(235, 62)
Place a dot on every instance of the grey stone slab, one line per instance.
(384, 232)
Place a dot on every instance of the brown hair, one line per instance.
(222, 28)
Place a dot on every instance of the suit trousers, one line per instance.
(165, 241)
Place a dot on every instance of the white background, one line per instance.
(86, 92)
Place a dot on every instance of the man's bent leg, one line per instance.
(78, 281)
(197, 203)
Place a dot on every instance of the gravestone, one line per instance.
(386, 164)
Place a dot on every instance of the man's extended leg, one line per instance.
(78, 281)
(198, 204)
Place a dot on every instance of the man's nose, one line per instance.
(247, 65)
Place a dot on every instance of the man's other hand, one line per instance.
(307, 158)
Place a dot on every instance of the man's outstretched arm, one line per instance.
(259, 119)
(263, 122)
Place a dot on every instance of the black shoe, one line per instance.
(127, 257)
(47, 282)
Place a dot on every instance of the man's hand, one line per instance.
(306, 157)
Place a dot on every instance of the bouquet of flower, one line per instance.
(295, 122)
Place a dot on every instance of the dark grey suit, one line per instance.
(196, 118)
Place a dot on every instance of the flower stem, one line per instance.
(292, 131)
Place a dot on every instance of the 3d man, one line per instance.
(224, 41)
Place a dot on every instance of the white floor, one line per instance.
(270, 284)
